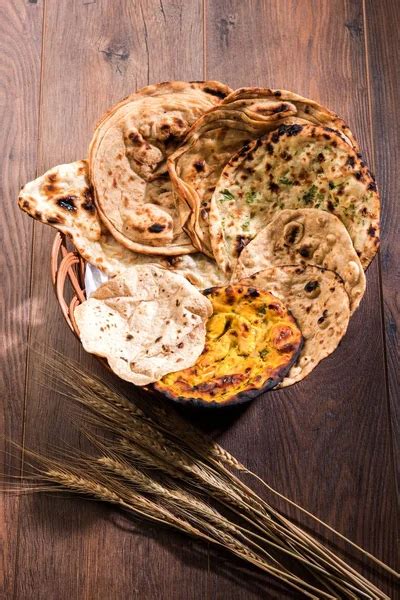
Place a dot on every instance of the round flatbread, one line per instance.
(127, 163)
(62, 198)
(146, 322)
(196, 166)
(244, 115)
(307, 236)
(318, 301)
(296, 166)
(307, 110)
(252, 341)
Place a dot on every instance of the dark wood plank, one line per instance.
(383, 41)
(20, 45)
(94, 54)
(325, 442)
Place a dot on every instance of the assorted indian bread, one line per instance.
(234, 227)
(146, 322)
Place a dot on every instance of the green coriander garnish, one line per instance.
(246, 224)
(286, 181)
(226, 196)
(251, 197)
(310, 195)
(263, 353)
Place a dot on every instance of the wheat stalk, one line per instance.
(162, 442)
(112, 403)
(94, 484)
(165, 460)
(167, 420)
(190, 507)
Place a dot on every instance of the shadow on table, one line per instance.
(211, 420)
(62, 516)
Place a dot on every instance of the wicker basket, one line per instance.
(67, 266)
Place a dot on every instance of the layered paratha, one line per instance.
(307, 110)
(146, 322)
(293, 167)
(62, 198)
(318, 301)
(307, 236)
(244, 115)
(127, 163)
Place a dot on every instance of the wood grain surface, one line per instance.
(330, 442)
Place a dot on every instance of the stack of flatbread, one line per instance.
(189, 186)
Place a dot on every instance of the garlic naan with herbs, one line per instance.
(296, 166)
(244, 115)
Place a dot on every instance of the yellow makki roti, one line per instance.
(252, 341)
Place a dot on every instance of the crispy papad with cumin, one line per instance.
(244, 115)
(146, 322)
(295, 166)
(252, 341)
(127, 163)
(320, 304)
(307, 236)
(62, 198)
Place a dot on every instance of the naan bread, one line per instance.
(146, 322)
(307, 236)
(244, 115)
(295, 166)
(62, 198)
(127, 163)
(318, 301)
(196, 166)
(307, 111)
(199, 269)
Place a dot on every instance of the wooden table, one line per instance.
(331, 442)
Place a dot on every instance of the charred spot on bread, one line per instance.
(67, 203)
(156, 228)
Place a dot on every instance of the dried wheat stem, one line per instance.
(179, 500)
(166, 451)
(149, 461)
(223, 493)
(146, 424)
(340, 535)
(192, 473)
(167, 420)
(136, 503)
(272, 512)
(201, 464)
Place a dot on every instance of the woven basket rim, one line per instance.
(67, 265)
